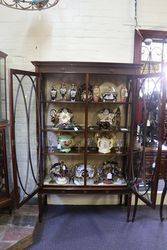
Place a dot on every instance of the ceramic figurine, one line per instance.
(82, 93)
(110, 95)
(96, 93)
(83, 96)
(105, 144)
(53, 94)
(119, 145)
(53, 114)
(63, 91)
(123, 94)
(65, 143)
(59, 173)
(64, 116)
(109, 173)
(73, 93)
(79, 175)
(105, 119)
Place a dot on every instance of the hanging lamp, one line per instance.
(29, 4)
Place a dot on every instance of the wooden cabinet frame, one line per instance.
(44, 69)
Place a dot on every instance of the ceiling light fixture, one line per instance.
(29, 4)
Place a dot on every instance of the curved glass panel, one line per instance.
(25, 118)
(146, 160)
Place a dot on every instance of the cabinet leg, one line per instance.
(120, 199)
(129, 199)
(45, 200)
(126, 200)
(40, 206)
(10, 210)
(162, 201)
(135, 208)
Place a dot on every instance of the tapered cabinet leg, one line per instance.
(40, 205)
(126, 200)
(135, 208)
(45, 200)
(129, 200)
(120, 199)
(162, 201)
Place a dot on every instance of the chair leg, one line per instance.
(162, 200)
(135, 208)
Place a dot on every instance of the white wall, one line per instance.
(73, 30)
(77, 30)
(152, 14)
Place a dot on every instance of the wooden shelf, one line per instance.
(71, 153)
(110, 102)
(62, 130)
(108, 154)
(83, 130)
(108, 130)
(62, 102)
(86, 189)
(80, 102)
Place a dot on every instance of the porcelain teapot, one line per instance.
(105, 144)
(65, 142)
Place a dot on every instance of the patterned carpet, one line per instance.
(100, 228)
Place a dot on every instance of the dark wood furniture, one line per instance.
(5, 197)
(154, 62)
(164, 168)
(33, 88)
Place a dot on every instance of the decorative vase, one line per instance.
(73, 93)
(53, 94)
(63, 91)
(96, 93)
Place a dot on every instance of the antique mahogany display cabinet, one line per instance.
(150, 50)
(5, 197)
(79, 127)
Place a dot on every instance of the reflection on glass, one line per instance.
(2, 90)
(1, 162)
(144, 163)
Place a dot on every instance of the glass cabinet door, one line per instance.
(149, 120)
(3, 108)
(4, 187)
(1, 161)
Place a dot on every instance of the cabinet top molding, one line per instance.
(2, 54)
(87, 67)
